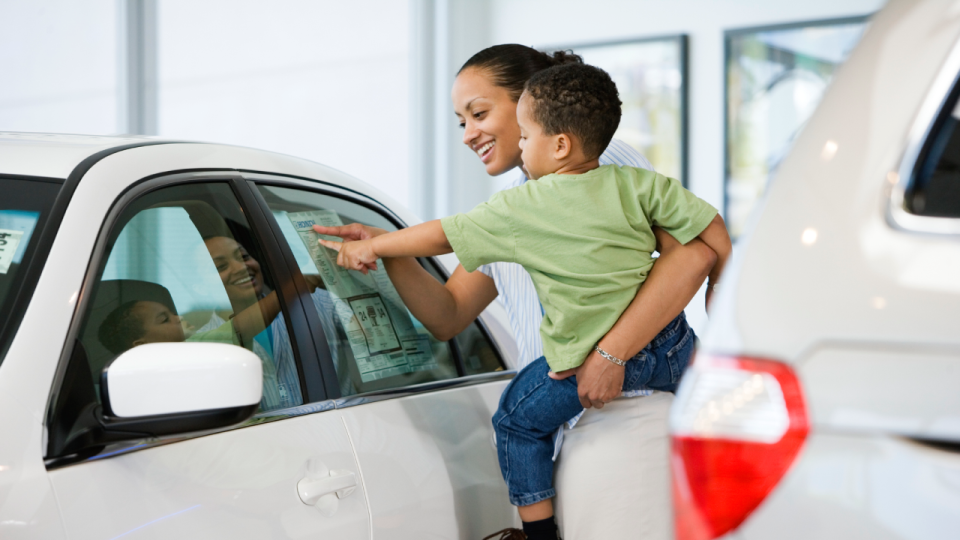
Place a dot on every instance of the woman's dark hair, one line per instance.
(511, 65)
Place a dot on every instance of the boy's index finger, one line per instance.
(330, 244)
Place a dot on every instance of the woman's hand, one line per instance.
(351, 232)
(599, 381)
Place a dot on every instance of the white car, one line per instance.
(131, 270)
(825, 399)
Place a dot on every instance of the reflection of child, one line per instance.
(583, 232)
(143, 321)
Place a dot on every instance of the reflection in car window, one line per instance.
(182, 265)
(935, 190)
(22, 205)
(378, 342)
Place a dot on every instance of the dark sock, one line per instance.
(545, 529)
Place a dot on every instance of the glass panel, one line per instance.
(22, 204)
(184, 267)
(775, 79)
(936, 188)
(375, 340)
(649, 77)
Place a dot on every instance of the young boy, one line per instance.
(583, 232)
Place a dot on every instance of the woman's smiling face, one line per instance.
(488, 117)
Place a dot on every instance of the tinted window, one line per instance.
(181, 265)
(935, 190)
(24, 205)
(377, 342)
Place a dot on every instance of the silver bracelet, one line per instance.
(609, 356)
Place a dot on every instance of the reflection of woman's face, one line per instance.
(488, 117)
(239, 272)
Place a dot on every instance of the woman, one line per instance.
(616, 485)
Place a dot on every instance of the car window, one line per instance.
(181, 264)
(376, 341)
(935, 188)
(23, 204)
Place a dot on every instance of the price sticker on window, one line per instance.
(9, 241)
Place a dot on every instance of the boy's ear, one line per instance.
(562, 146)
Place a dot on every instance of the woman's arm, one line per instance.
(717, 237)
(672, 282)
(444, 309)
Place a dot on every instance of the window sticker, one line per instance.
(9, 240)
(381, 333)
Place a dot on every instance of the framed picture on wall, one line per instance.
(651, 76)
(775, 78)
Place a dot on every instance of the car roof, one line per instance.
(53, 155)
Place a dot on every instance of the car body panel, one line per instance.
(410, 450)
(52, 155)
(849, 486)
(861, 280)
(894, 389)
(236, 484)
(242, 479)
(864, 310)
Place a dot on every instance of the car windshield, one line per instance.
(24, 204)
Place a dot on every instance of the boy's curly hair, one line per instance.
(577, 99)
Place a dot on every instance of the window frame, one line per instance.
(332, 190)
(316, 399)
(937, 106)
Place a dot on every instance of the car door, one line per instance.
(417, 410)
(177, 259)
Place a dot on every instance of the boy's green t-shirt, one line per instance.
(586, 241)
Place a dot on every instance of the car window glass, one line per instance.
(375, 340)
(183, 266)
(22, 205)
(935, 190)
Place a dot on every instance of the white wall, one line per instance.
(325, 80)
(58, 61)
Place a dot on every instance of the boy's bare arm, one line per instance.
(717, 237)
(444, 308)
(424, 240)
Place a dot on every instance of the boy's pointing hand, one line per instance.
(353, 255)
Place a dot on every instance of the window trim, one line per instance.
(935, 106)
(278, 267)
(294, 182)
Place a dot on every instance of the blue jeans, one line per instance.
(533, 406)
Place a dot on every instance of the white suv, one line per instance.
(825, 399)
(179, 359)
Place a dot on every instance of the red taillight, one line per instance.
(736, 427)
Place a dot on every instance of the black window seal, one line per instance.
(45, 237)
(936, 106)
(317, 382)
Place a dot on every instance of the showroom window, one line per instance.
(376, 342)
(935, 190)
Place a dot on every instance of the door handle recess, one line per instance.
(312, 488)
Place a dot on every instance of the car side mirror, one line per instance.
(165, 388)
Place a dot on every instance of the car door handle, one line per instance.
(312, 487)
